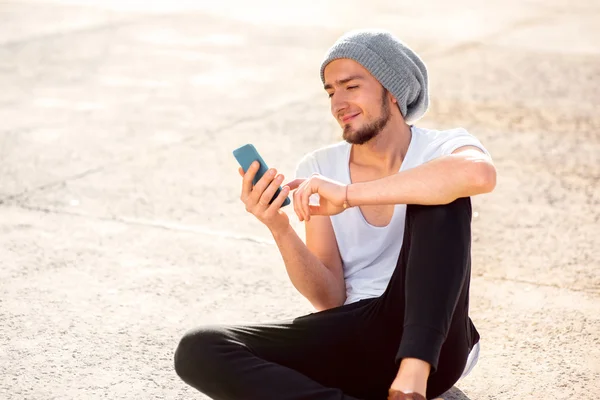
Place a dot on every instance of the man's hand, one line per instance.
(332, 195)
(257, 198)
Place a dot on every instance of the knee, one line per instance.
(456, 211)
(197, 352)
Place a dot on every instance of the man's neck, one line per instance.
(387, 150)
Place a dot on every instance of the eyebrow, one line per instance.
(343, 81)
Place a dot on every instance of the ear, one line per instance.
(391, 97)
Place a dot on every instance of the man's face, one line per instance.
(359, 102)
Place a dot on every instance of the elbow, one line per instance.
(483, 177)
(322, 306)
(329, 300)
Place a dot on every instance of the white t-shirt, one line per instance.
(369, 253)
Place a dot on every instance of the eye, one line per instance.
(330, 95)
(352, 87)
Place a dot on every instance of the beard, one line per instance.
(367, 132)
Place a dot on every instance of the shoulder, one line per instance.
(435, 143)
(322, 158)
(333, 150)
(440, 136)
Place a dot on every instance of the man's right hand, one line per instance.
(256, 199)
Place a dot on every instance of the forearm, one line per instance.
(308, 274)
(440, 181)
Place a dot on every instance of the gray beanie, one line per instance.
(391, 62)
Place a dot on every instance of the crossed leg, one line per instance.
(310, 357)
(349, 352)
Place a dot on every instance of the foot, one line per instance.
(398, 395)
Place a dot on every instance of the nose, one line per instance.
(338, 103)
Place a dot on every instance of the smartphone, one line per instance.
(246, 155)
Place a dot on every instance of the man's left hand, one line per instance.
(332, 196)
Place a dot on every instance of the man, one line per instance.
(390, 280)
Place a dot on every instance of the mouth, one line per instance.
(349, 117)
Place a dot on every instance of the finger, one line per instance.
(297, 200)
(301, 191)
(306, 193)
(241, 171)
(295, 183)
(262, 185)
(276, 204)
(247, 181)
(269, 192)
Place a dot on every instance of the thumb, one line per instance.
(295, 183)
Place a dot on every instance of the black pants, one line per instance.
(352, 352)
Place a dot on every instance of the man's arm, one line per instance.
(315, 269)
(466, 172)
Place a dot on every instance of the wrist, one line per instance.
(350, 200)
(280, 231)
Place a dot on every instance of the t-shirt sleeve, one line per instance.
(448, 141)
(307, 166)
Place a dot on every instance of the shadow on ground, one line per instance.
(454, 394)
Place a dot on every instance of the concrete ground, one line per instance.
(120, 224)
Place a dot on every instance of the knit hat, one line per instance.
(391, 62)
